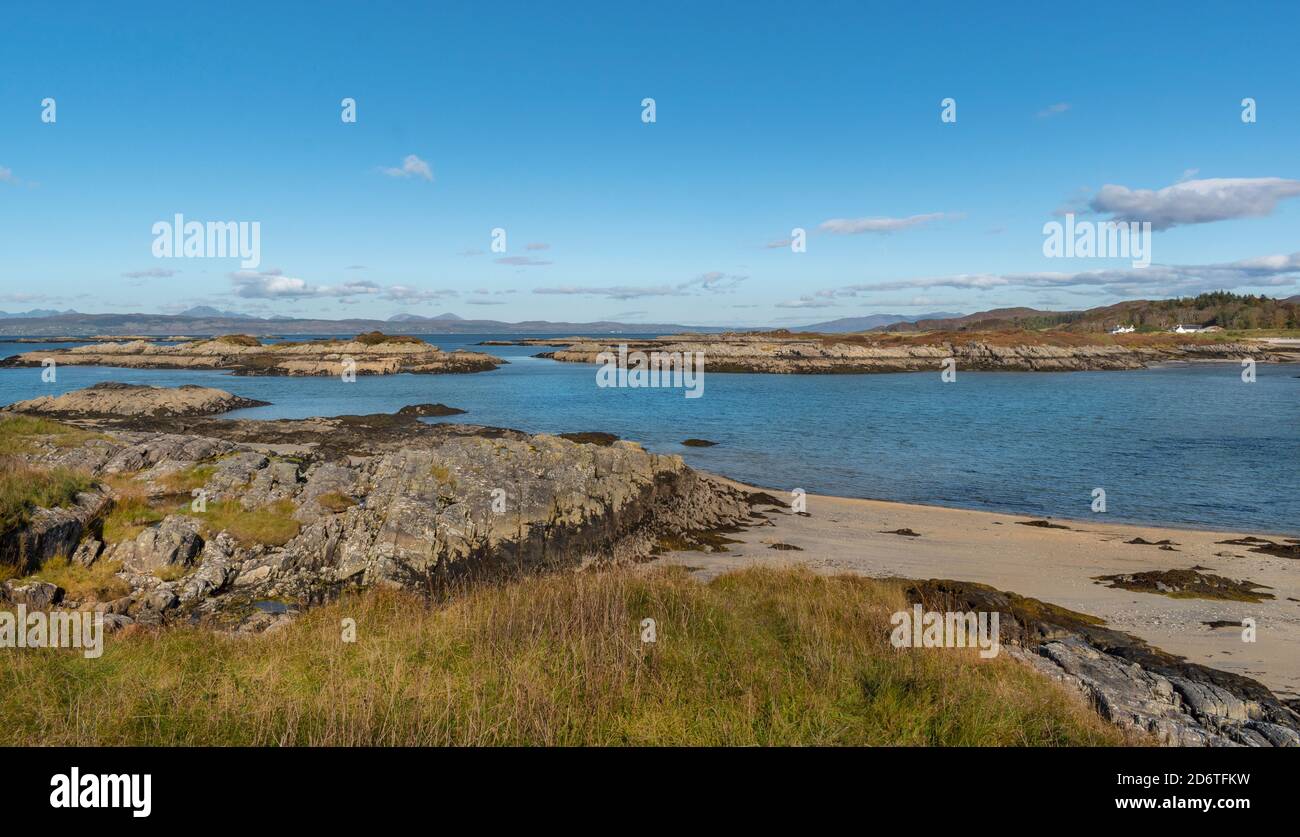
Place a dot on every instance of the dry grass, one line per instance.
(336, 501)
(98, 581)
(238, 340)
(377, 338)
(172, 572)
(758, 657)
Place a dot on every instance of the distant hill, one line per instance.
(416, 318)
(1220, 308)
(209, 311)
(853, 324)
(200, 322)
(35, 312)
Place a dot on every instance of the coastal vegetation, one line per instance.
(270, 525)
(1229, 311)
(98, 582)
(757, 657)
(19, 432)
(24, 489)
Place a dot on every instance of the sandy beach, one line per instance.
(843, 535)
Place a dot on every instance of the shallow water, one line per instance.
(1187, 445)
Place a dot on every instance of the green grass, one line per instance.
(186, 480)
(23, 489)
(271, 525)
(18, 434)
(132, 513)
(758, 657)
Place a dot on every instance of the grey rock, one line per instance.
(87, 551)
(174, 541)
(38, 595)
(216, 569)
(116, 622)
(52, 532)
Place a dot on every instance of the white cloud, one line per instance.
(412, 166)
(1053, 110)
(1196, 201)
(273, 284)
(522, 261)
(405, 293)
(854, 226)
(1262, 271)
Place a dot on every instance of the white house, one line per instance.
(1186, 329)
(1123, 329)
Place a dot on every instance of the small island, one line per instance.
(372, 353)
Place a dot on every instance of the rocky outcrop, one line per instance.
(36, 595)
(174, 541)
(429, 410)
(388, 501)
(52, 532)
(1127, 681)
(365, 355)
(871, 353)
(114, 399)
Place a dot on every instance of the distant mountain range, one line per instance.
(205, 320)
(209, 311)
(34, 313)
(1233, 311)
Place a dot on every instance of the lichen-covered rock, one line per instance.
(175, 540)
(36, 595)
(87, 551)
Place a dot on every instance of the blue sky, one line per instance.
(769, 117)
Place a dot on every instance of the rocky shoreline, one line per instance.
(237, 525)
(110, 400)
(853, 354)
(1127, 681)
(366, 354)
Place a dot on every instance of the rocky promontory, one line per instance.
(111, 399)
(865, 353)
(200, 519)
(365, 354)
